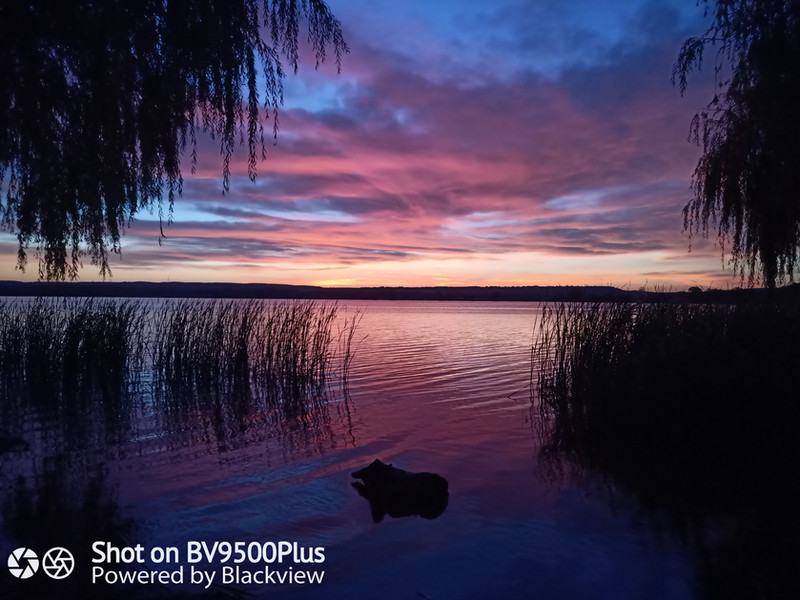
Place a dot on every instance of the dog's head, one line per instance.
(372, 472)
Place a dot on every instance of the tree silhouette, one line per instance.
(747, 180)
(100, 100)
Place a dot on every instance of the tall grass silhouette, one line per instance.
(691, 411)
(680, 379)
(71, 361)
(283, 352)
(86, 361)
(684, 381)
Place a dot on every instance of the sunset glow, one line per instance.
(478, 143)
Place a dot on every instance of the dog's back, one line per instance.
(399, 493)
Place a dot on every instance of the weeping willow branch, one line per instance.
(746, 184)
(99, 101)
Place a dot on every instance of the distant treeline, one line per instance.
(589, 293)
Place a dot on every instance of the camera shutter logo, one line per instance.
(23, 563)
(58, 563)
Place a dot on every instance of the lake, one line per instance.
(442, 387)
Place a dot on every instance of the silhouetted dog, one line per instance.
(399, 493)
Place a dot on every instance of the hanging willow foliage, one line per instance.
(100, 100)
(747, 181)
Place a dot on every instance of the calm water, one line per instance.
(441, 387)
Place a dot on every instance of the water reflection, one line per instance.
(437, 387)
(59, 501)
(742, 533)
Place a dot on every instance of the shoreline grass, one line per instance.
(671, 380)
(82, 360)
(282, 351)
(691, 411)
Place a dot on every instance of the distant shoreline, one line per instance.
(589, 293)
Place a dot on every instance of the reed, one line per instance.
(690, 393)
(281, 352)
(66, 347)
(691, 412)
(82, 359)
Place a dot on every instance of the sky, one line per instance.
(497, 142)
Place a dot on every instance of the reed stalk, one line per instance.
(681, 390)
(81, 357)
